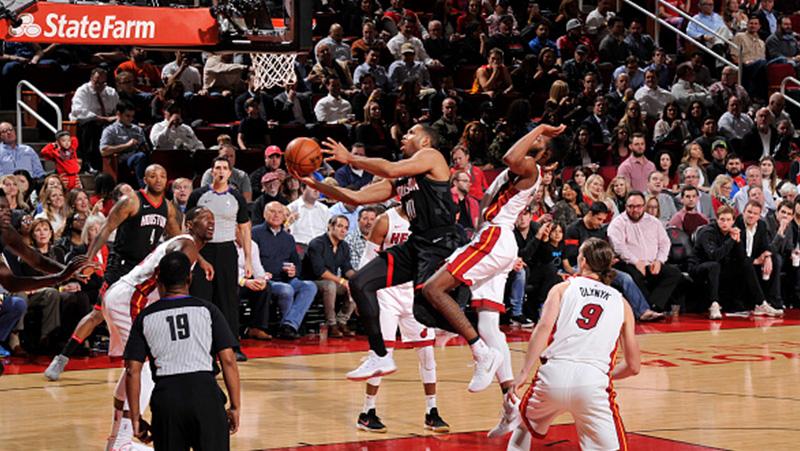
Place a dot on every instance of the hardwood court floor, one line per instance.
(733, 384)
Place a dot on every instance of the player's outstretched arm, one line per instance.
(632, 363)
(121, 211)
(369, 194)
(517, 158)
(230, 372)
(13, 240)
(541, 333)
(14, 283)
(421, 162)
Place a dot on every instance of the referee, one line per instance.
(181, 335)
(232, 221)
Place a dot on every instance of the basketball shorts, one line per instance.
(397, 309)
(121, 305)
(483, 265)
(115, 270)
(582, 390)
(417, 260)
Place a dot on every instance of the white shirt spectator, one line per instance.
(686, 92)
(258, 269)
(733, 127)
(190, 77)
(339, 50)
(86, 105)
(311, 221)
(399, 39)
(332, 110)
(165, 137)
(597, 20)
(653, 100)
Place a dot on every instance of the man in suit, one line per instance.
(292, 107)
(264, 100)
(600, 125)
(762, 139)
(756, 242)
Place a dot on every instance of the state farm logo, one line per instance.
(28, 28)
(104, 27)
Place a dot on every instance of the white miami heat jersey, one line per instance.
(507, 201)
(588, 325)
(398, 230)
(145, 270)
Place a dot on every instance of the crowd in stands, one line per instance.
(689, 173)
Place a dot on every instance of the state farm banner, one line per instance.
(113, 25)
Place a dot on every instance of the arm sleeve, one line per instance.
(136, 348)
(242, 214)
(314, 256)
(194, 198)
(221, 335)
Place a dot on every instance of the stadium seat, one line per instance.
(776, 74)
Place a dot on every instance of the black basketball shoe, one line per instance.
(370, 422)
(435, 423)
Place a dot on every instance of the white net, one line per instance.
(273, 69)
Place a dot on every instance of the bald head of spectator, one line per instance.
(324, 56)
(275, 214)
(435, 29)
(336, 32)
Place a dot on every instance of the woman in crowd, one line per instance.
(461, 162)
(25, 184)
(695, 117)
(547, 72)
(91, 229)
(103, 189)
(71, 238)
(618, 190)
(769, 178)
(581, 174)
(549, 189)
(668, 170)
(653, 208)
(475, 140)
(580, 152)
(735, 19)
(693, 156)
(562, 102)
(78, 202)
(15, 196)
(538, 207)
(290, 189)
(570, 207)
(54, 210)
(374, 133)
(402, 122)
(633, 120)
(721, 192)
(671, 127)
(51, 181)
(619, 145)
(594, 191)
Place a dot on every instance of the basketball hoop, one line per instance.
(273, 69)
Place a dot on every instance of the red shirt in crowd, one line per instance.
(148, 77)
(67, 163)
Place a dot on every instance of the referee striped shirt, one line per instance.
(180, 335)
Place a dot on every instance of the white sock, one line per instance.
(125, 432)
(479, 348)
(369, 402)
(430, 402)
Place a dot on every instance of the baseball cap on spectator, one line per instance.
(269, 177)
(272, 150)
(719, 143)
(582, 49)
(573, 24)
(407, 48)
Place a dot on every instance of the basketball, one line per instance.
(303, 156)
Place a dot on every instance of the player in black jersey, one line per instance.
(140, 220)
(422, 180)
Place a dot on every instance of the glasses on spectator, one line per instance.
(635, 206)
(6, 130)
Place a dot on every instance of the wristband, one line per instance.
(342, 281)
(242, 281)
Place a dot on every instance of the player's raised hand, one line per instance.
(78, 263)
(336, 151)
(551, 131)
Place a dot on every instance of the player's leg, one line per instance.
(375, 365)
(368, 419)
(364, 288)
(82, 331)
(597, 418)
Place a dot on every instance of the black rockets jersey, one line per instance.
(428, 203)
(138, 235)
